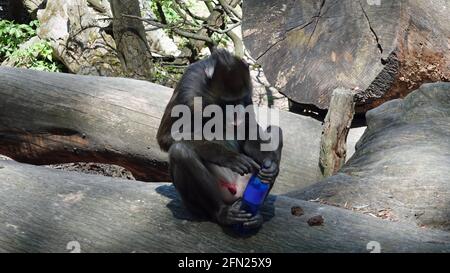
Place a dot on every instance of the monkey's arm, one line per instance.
(254, 147)
(267, 156)
(223, 154)
(266, 148)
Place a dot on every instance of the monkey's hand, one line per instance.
(269, 170)
(230, 215)
(240, 164)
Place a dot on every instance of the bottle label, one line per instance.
(254, 195)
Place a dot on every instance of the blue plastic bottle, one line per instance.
(252, 199)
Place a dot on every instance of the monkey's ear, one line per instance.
(209, 71)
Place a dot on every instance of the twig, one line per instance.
(223, 31)
(230, 10)
(174, 28)
(186, 9)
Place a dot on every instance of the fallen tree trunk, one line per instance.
(382, 49)
(400, 169)
(49, 118)
(46, 210)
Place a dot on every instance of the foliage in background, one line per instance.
(167, 74)
(37, 56)
(190, 23)
(163, 9)
(198, 24)
(12, 35)
(196, 27)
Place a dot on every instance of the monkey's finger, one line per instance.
(252, 163)
(269, 166)
(254, 222)
(271, 172)
(242, 215)
(240, 168)
(267, 175)
(237, 168)
(242, 212)
(239, 220)
(247, 167)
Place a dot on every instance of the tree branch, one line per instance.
(174, 28)
(223, 31)
(186, 9)
(232, 12)
(238, 44)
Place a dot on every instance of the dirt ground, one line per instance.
(91, 168)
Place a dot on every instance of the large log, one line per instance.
(384, 49)
(48, 118)
(46, 210)
(401, 167)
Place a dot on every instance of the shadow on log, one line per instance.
(401, 167)
(45, 209)
(50, 118)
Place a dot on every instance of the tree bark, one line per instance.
(79, 37)
(50, 118)
(382, 51)
(400, 169)
(48, 210)
(129, 34)
(333, 145)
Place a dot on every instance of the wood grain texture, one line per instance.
(333, 144)
(45, 209)
(131, 42)
(49, 118)
(309, 48)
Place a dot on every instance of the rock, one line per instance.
(101, 6)
(79, 37)
(316, 221)
(297, 211)
(32, 6)
(14, 61)
(401, 164)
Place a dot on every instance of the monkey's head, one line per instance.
(229, 77)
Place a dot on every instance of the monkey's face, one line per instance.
(231, 83)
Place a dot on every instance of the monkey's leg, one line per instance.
(199, 188)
